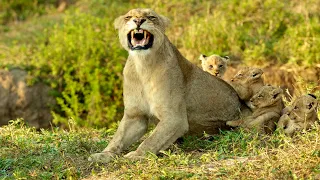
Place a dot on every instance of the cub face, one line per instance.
(300, 115)
(214, 64)
(305, 104)
(247, 82)
(267, 96)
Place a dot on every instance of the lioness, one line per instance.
(161, 85)
(301, 115)
(214, 64)
(268, 105)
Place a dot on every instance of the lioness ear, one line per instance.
(202, 57)
(165, 21)
(117, 22)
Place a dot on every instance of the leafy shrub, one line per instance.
(18, 10)
(254, 31)
(85, 61)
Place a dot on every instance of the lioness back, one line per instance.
(210, 101)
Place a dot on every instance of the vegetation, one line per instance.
(77, 52)
(59, 154)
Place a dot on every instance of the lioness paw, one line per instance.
(103, 157)
(134, 155)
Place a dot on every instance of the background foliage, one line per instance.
(77, 52)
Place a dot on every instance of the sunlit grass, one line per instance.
(57, 153)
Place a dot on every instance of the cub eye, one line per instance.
(152, 17)
(296, 107)
(220, 66)
(260, 96)
(128, 18)
(210, 66)
(254, 75)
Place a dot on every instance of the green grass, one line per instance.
(62, 154)
(77, 52)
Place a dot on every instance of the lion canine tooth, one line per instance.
(132, 34)
(145, 34)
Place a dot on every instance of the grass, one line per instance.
(78, 53)
(62, 154)
(253, 32)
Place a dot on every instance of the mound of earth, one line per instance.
(19, 100)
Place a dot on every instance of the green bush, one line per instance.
(85, 61)
(256, 31)
(17, 10)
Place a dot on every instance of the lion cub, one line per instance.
(247, 82)
(214, 64)
(302, 114)
(266, 112)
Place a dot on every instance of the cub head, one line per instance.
(267, 96)
(214, 64)
(247, 82)
(305, 104)
(141, 30)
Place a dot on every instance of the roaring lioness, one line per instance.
(161, 85)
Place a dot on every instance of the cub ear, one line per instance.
(257, 73)
(276, 93)
(202, 57)
(117, 22)
(165, 21)
(226, 58)
(312, 95)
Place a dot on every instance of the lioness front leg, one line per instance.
(167, 131)
(131, 129)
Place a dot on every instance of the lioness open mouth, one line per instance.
(139, 39)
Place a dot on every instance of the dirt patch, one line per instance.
(18, 100)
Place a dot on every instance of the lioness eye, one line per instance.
(210, 66)
(220, 66)
(128, 17)
(152, 17)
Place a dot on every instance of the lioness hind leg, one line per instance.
(129, 131)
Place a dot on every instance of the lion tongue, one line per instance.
(135, 42)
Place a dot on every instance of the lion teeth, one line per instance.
(145, 34)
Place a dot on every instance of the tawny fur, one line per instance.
(247, 82)
(301, 115)
(268, 105)
(214, 64)
(161, 85)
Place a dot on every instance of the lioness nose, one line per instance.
(139, 21)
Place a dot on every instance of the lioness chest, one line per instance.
(152, 88)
